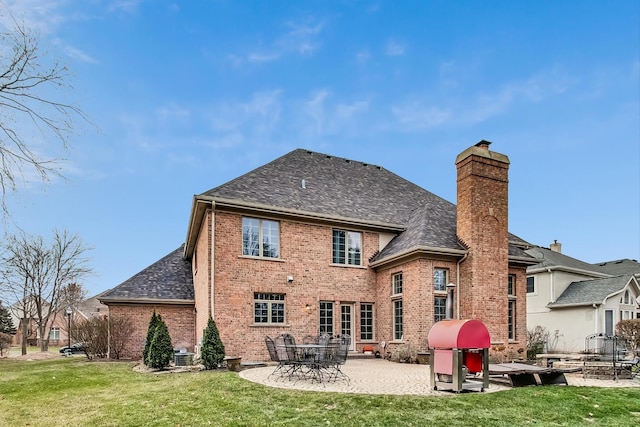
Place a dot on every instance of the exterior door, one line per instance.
(608, 322)
(346, 323)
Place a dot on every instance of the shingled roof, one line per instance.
(307, 181)
(552, 259)
(594, 291)
(621, 266)
(169, 279)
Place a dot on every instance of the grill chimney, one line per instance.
(449, 305)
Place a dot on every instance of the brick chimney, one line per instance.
(482, 225)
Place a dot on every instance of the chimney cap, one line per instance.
(483, 142)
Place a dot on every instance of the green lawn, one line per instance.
(76, 392)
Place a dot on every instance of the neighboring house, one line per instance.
(92, 307)
(573, 299)
(313, 243)
(57, 326)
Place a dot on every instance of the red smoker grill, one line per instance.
(459, 348)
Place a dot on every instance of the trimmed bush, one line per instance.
(212, 352)
(150, 332)
(160, 352)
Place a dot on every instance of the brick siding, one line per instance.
(179, 320)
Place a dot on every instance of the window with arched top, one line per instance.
(626, 296)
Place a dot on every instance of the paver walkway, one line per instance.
(379, 376)
(368, 376)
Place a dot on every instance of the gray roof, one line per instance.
(168, 279)
(589, 292)
(549, 258)
(350, 189)
(622, 266)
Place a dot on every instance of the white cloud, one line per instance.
(127, 6)
(41, 16)
(394, 48)
(258, 115)
(314, 108)
(363, 56)
(302, 38)
(262, 57)
(414, 116)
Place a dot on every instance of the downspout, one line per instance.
(213, 252)
(551, 287)
(458, 283)
(595, 318)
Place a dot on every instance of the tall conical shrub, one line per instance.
(161, 350)
(150, 331)
(212, 351)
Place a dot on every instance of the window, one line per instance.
(512, 319)
(54, 334)
(531, 285)
(326, 317)
(397, 284)
(439, 308)
(626, 297)
(347, 247)
(511, 309)
(397, 319)
(511, 285)
(260, 238)
(440, 296)
(268, 308)
(366, 321)
(440, 279)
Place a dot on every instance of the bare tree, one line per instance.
(72, 294)
(36, 273)
(27, 76)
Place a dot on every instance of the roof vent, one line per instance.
(303, 184)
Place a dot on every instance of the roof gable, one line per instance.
(308, 181)
(169, 279)
(595, 291)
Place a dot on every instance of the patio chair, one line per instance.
(340, 358)
(286, 364)
(273, 355)
(310, 339)
(294, 359)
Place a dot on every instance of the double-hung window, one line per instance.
(54, 334)
(531, 285)
(396, 301)
(440, 294)
(511, 310)
(326, 317)
(347, 247)
(268, 308)
(260, 237)
(366, 321)
(397, 319)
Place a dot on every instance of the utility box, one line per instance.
(459, 355)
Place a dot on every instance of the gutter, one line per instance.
(418, 250)
(106, 301)
(574, 304)
(569, 270)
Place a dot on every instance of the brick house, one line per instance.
(313, 243)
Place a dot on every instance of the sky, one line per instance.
(184, 96)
